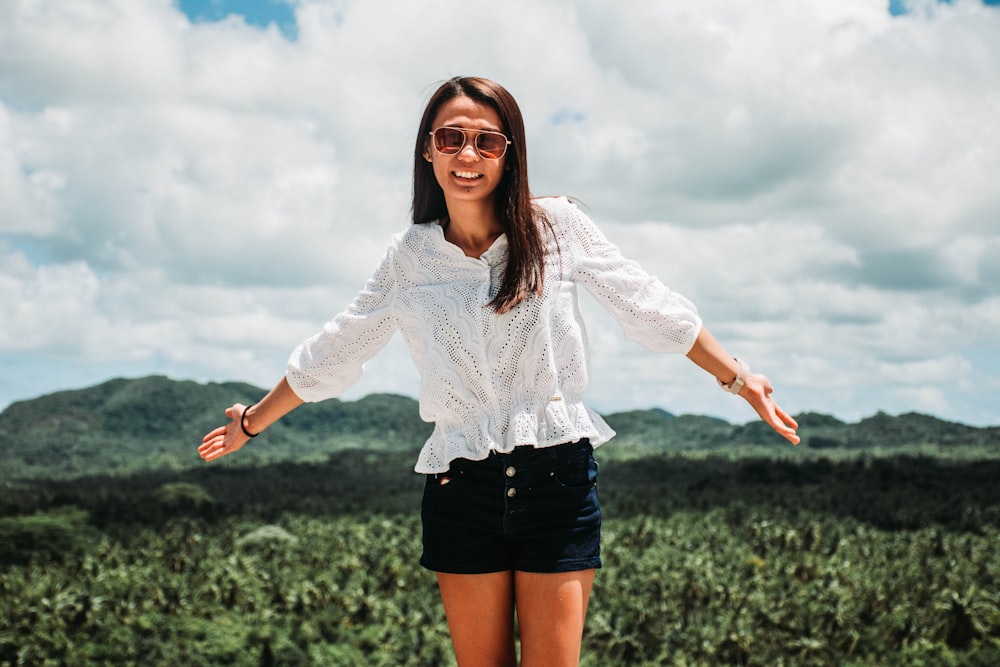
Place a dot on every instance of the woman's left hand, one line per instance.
(757, 392)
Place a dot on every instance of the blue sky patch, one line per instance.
(565, 116)
(258, 13)
(899, 7)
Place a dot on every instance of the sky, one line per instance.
(190, 188)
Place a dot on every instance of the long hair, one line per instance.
(519, 219)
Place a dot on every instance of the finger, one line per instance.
(214, 433)
(217, 454)
(217, 435)
(785, 417)
(780, 426)
(217, 438)
(778, 419)
(208, 448)
(216, 450)
(786, 427)
(235, 410)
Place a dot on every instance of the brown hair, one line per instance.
(526, 246)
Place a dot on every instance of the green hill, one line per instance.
(155, 424)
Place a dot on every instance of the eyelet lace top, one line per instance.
(494, 381)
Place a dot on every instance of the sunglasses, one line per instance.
(489, 145)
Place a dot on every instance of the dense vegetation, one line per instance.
(836, 554)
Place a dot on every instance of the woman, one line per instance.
(483, 289)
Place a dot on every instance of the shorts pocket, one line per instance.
(445, 483)
(578, 471)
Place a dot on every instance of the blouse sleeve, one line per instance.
(648, 311)
(328, 363)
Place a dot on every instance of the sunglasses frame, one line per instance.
(465, 140)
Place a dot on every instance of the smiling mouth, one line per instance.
(468, 175)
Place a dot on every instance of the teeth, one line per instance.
(467, 174)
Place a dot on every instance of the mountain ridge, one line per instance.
(124, 425)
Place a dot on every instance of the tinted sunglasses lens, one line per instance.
(491, 145)
(448, 140)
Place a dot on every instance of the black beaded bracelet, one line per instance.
(244, 426)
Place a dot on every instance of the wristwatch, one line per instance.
(740, 380)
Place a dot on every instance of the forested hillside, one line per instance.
(155, 424)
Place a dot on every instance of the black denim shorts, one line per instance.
(533, 510)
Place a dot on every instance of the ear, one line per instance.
(427, 156)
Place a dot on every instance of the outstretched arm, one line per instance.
(709, 354)
(229, 438)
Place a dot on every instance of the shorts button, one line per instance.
(511, 471)
(511, 492)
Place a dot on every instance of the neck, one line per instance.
(473, 229)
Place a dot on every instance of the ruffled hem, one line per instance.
(562, 422)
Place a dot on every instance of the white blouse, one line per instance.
(491, 382)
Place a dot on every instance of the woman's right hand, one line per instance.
(225, 439)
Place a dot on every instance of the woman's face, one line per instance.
(466, 176)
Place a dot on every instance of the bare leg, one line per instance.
(551, 609)
(480, 611)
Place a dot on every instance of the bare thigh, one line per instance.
(480, 612)
(551, 610)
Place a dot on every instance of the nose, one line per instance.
(468, 151)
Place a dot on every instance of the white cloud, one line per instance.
(195, 198)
